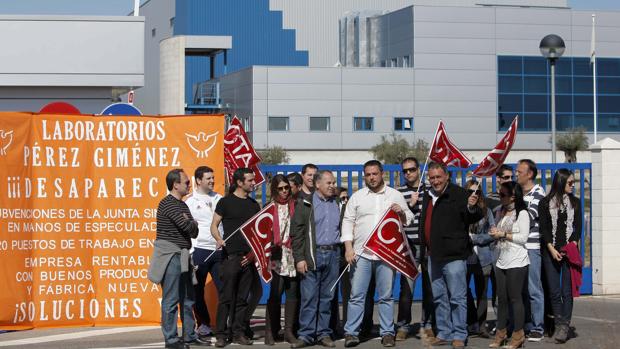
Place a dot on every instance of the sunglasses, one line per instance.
(471, 191)
(344, 198)
(506, 177)
(571, 183)
(409, 170)
(286, 187)
(186, 182)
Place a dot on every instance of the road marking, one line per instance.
(75, 335)
(594, 319)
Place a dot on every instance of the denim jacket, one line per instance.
(482, 241)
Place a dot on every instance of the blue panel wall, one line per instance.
(257, 36)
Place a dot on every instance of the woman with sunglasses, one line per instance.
(560, 230)
(283, 266)
(513, 228)
(479, 265)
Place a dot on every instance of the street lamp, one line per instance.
(552, 47)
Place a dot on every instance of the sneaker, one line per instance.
(535, 337)
(326, 342)
(175, 345)
(299, 343)
(388, 340)
(401, 335)
(204, 330)
(350, 341)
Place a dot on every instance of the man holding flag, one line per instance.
(364, 210)
(447, 210)
(315, 230)
(233, 211)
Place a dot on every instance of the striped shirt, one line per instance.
(412, 230)
(172, 226)
(532, 198)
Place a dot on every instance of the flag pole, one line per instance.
(428, 157)
(219, 248)
(593, 62)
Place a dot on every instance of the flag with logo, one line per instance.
(239, 152)
(489, 165)
(388, 242)
(258, 232)
(445, 152)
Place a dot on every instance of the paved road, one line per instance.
(597, 322)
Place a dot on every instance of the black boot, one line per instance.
(291, 320)
(272, 321)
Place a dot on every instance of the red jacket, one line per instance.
(574, 263)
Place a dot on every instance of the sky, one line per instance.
(124, 7)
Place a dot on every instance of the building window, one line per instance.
(319, 123)
(363, 123)
(383, 63)
(523, 88)
(403, 124)
(406, 62)
(394, 62)
(171, 22)
(278, 123)
(153, 32)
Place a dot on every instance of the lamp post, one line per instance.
(552, 47)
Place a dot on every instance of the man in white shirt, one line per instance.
(202, 203)
(364, 210)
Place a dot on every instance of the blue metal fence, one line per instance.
(351, 177)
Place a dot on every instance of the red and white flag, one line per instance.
(258, 232)
(489, 165)
(388, 242)
(239, 152)
(445, 152)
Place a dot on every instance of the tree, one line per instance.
(395, 150)
(571, 142)
(274, 156)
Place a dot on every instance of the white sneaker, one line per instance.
(204, 330)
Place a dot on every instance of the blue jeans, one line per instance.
(361, 272)
(316, 296)
(449, 284)
(212, 266)
(177, 289)
(535, 307)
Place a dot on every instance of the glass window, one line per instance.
(608, 104)
(563, 85)
(505, 119)
(153, 32)
(584, 120)
(536, 121)
(319, 123)
(394, 62)
(278, 123)
(584, 104)
(510, 84)
(563, 104)
(363, 123)
(582, 84)
(582, 66)
(535, 65)
(609, 122)
(536, 103)
(563, 122)
(536, 84)
(607, 85)
(607, 67)
(509, 65)
(510, 103)
(564, 66)
(403, 124)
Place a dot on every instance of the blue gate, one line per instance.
(351, 177)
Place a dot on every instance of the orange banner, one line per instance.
(77, 212)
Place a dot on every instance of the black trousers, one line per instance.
(279, 285)
(477, 308)
(233, 298)
(509, 293)
(559, 284)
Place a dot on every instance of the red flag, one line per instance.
(445, 152)
(258, 232)
(239, 152)
(388, 242)
(489, 165)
